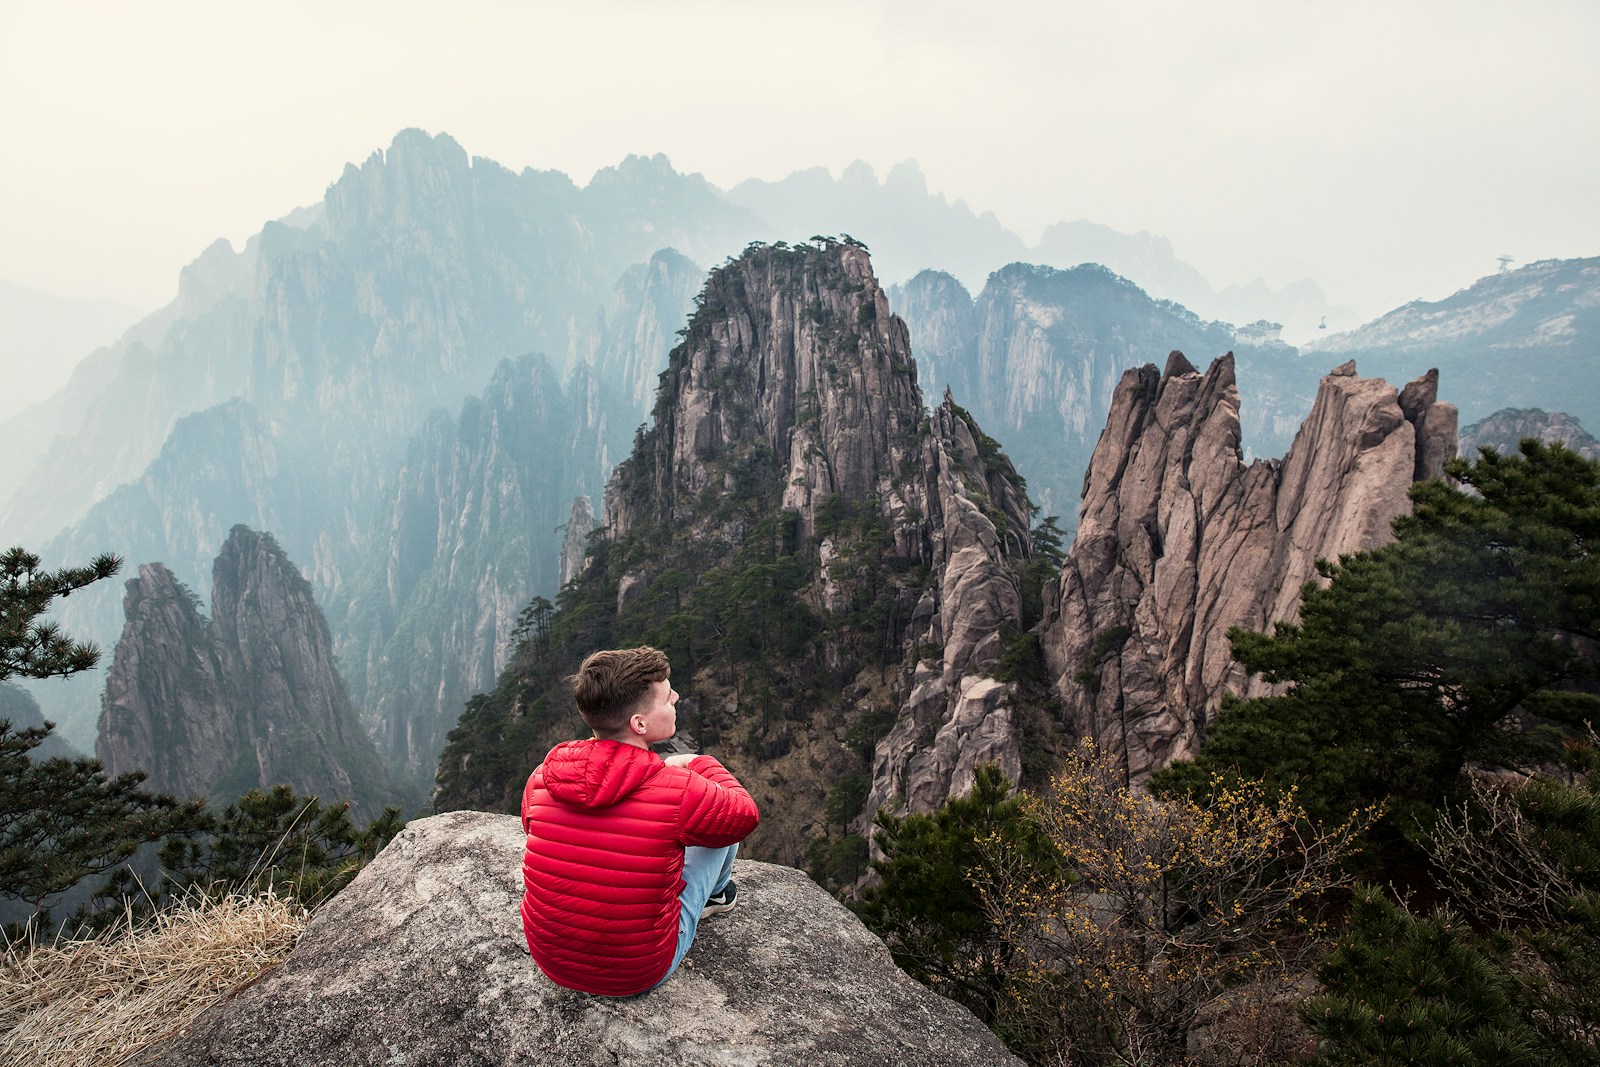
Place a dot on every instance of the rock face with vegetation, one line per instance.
(835, 573)
(1179, 539)
(421, 960)
(1503, 430)
(249, 698)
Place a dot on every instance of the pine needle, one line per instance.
(108, 999)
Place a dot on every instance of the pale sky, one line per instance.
(1389, 150)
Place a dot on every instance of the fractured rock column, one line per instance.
(1179, 540)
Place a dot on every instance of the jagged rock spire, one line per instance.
(1178, 540)
(248, 699)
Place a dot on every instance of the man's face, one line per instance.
(657, 713)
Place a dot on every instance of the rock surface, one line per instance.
(422, 962)
(248, 699)
(1178, 540)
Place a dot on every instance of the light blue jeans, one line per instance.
(705, 873)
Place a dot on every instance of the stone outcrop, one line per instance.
(421, 961)
(248, 699)
(978, 523)
(575, 541)
(796, 369)
(1179, 539)
(1506, 428)
(165, 709)
(793, 350)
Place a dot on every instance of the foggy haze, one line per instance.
(1387, 151)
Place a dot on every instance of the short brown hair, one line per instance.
(611, 682)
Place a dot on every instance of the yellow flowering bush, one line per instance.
(1180, 922)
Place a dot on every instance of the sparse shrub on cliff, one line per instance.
(1176, 914)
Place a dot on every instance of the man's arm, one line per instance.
(716, 810)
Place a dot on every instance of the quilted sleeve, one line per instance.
(717, 810)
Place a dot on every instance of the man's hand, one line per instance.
(680, 759)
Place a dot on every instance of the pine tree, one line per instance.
(1504, 976)
(31, 648)
(276, 839)
(1470, 638)
(928, 908)
(62, 820)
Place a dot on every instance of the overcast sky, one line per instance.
(1389, 150)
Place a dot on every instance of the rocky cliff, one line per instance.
(796, 373)
(249, 698)
(828, 564)
(1503, 430)
(1179, 539)
(422, 961)
(467, 535)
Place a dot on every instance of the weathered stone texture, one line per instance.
(422, 962)
(795, 353)
(1179, 540)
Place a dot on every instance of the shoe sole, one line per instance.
(718, 909)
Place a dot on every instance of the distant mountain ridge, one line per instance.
(44, 335)
(410, 382)
(327, 343)
(1522, 338)
(1503, 430)
(1037, 355)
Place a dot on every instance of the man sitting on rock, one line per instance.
(626, 851)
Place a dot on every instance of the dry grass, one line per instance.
(106, 1000)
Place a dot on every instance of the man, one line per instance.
(626, 851)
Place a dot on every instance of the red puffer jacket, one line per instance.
(606, 825)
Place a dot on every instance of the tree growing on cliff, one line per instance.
(1470, 638)
(927, 906)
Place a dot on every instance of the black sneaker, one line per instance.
(722, 901)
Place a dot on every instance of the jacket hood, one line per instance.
(597, 774)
